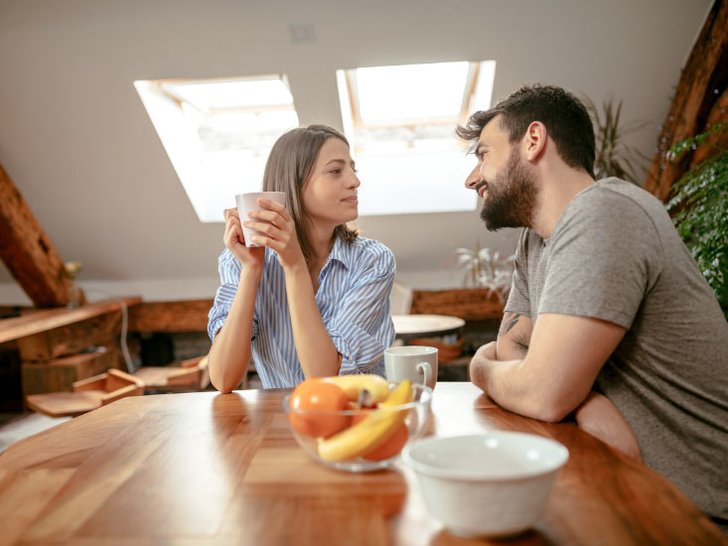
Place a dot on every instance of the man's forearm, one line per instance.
(565, 354)
(512, 341)
(490, 373)
(510, 385)
(509, 349)
(600, 418)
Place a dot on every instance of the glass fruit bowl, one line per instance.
(362, 439)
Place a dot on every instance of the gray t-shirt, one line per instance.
(615, 255)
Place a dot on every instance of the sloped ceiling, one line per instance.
(78, 144)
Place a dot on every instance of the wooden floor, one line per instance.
(16, 426)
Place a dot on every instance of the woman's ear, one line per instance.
(534, 141)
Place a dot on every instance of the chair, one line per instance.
(400, 299)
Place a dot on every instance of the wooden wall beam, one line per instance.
(42, 321)
(702, 81)
(29, 253)
(99, 331)
(170, 316)
(717, 141)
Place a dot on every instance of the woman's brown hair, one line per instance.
(289, 167)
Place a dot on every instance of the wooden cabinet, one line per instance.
(467, 303)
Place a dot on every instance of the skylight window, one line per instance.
(400, 122)
(385, 93)
(218, 133)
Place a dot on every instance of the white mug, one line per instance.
(249, 202)
(414, 362)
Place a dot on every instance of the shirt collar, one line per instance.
(342, 252)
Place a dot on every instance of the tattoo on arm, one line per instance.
(520, 341)
(509, 321)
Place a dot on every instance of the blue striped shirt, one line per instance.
(353, 298)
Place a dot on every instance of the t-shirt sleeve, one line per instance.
(605, 255)
(518, 299)
(361, 328)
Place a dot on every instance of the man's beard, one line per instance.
(511, 197)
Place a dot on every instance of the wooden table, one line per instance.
(206, 468)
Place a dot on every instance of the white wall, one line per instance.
(78, 144)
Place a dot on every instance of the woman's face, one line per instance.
(330, 194)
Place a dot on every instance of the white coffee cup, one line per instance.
(248, 202)
(414, 362)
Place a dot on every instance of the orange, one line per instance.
(316, 395)
(391, 447)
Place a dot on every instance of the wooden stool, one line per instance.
(88, 394)
(191, 374)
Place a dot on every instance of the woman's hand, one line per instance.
(235, 242)
(277, 231)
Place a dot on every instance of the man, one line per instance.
(605, 297)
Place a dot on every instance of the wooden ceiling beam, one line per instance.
(29, 253)
(701, 84)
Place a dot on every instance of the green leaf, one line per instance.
(699, 207)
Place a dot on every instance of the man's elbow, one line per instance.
(550, 410)
(554, 415)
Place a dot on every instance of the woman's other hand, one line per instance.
(277, 231)
(235, 241)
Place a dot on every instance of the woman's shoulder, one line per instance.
(376, 250)
(362, 254)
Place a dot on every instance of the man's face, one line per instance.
(503, 180)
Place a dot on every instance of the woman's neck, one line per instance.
(321, 241)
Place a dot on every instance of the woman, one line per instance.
(313, 299)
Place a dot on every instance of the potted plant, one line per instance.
(699, 207)
(485, 268)
(613, 156)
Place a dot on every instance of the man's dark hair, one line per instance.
(565, 117)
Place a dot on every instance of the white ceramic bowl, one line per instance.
(417, 421)
(486, 485)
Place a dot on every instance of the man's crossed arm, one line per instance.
(547, 370)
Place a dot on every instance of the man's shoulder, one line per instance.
(610, 195)
(613, 205)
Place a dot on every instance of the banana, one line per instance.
(371, 432)
(354, 384)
